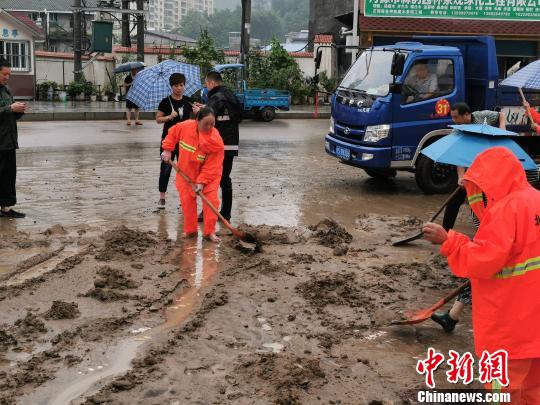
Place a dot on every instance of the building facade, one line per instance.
(165, 15)
(55, 18)
(516, 41)
(18, 36)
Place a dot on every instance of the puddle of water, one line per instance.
(75, 382)
(199, 266)
(42, 268)
(10, 258)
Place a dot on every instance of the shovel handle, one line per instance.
(455, 293)
(208, 203)
(445, 204)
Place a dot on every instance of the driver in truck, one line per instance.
(423, 83)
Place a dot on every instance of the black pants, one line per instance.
(226, 187)
(165, 172)
(8, 174)
(452, 209)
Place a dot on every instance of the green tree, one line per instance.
(266, 24)
(295, 13)
(192, 23)
(277, 70)
(204, 54)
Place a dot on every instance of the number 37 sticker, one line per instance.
(442, 108)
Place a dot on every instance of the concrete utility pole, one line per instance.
(126, 41)
(77, 52)
(246, 30)
(140, 31)
(356, 37)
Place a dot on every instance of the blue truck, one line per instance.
(261, 103)
(380, 120)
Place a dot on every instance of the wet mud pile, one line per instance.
(297, 323)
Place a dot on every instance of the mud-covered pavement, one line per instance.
(102, 304)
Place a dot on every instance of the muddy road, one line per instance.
(102, 303)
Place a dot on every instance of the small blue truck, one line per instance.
(381, 120)
(262, 103)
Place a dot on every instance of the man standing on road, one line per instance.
(503, 263)
(10, 112)
(228, 115)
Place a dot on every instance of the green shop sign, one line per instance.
(464, 9)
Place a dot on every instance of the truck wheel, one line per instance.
(435, 178)
(268, 114)
(381, 174)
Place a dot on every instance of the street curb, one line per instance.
(118, 115)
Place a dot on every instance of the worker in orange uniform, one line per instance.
(503, 263)
(201, 152)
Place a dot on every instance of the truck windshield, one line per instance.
(370, 73)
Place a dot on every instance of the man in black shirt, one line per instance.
(10, 112)
(228, 115)
(172, 109)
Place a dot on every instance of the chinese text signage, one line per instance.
(474, 9)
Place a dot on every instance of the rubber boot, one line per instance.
(444, 319)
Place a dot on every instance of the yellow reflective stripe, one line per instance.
(201, 158)
(475, 198)
(519, 269)
(187, 147)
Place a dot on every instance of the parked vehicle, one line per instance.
(380, 122)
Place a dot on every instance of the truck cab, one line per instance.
(396, 99)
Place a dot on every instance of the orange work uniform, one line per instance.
(503, 263)
(201, 159)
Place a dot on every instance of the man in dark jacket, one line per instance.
(10, 112)
(228, 115)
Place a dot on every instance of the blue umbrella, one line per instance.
(128, 67)
(152, 84)
(483, 129)
(460, 149)
(526, 78)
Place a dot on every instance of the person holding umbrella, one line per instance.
(172, 110)
(502, 262)
(131, 107)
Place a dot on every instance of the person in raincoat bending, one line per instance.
(201, 152)
(503, 264)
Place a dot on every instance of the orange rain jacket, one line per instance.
(503, 259)
(200, 157)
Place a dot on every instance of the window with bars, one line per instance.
(17, 54)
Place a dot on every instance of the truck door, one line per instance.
(428, 90)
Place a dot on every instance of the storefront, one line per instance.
(17, 42)
(516, 41)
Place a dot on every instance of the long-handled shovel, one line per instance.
(420, 234)
(425, 314)
(243, 236)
